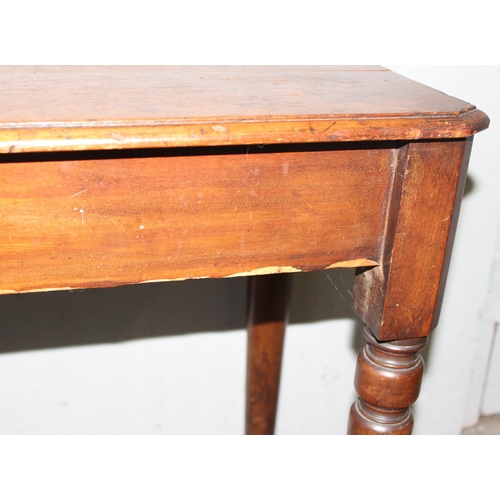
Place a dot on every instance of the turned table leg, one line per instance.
(268, 305)
(388, 378)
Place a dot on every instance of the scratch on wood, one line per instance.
(329, 127)
(219, 128)
(76, 194)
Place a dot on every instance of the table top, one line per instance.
(86, 219)
(71, 108)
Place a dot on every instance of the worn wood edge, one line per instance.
(370, 285)
(62, 289)
(224, 132)
(353, 263)
(254, 272)
(104, 284)
(290, 269)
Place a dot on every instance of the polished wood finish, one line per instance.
(120, 175)
(46, 108)
(77, 222)
(388, 378)
(401, 297)
(267, 317)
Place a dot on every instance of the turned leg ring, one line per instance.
(388, 378)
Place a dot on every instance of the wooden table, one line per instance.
(120, 175)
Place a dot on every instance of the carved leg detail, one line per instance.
(388, 378)
(268, 304)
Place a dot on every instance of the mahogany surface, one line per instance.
(76, 108)
(75, 222)
(122, 175)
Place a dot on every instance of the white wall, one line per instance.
(170, 358)
(442, 406)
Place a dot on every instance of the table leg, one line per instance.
(388, 378)
(267, 317)
(400, 299)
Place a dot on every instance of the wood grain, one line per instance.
(267, 318)
(82, 223)
(259, 170)
(62, 108)
(401, 298)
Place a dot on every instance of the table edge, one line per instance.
(81, 136)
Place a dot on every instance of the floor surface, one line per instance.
(486, 425)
